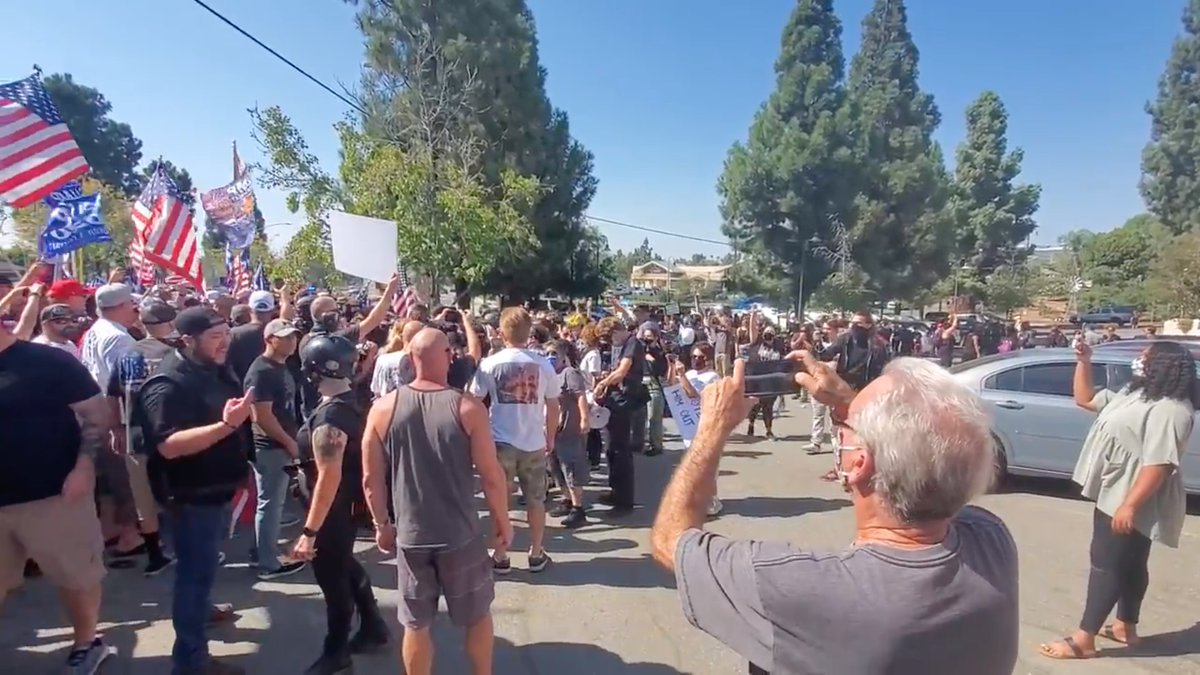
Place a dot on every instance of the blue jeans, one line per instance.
(272, 482)
(199, 530)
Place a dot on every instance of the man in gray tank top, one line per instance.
(431, 439)
(929, 581)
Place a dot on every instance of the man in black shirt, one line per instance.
(246, 342)
(651, 414)
(194, 415)
(133, 369)
(275, 426)
(623, 392)
(327, 322)
(333, 438)
(53, 423)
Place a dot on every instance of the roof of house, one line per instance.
(682, 269)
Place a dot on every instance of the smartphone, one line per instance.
(772, 378)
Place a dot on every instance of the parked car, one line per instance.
(1119, 314)
(1038, 429)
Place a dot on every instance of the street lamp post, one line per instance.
(811, 241)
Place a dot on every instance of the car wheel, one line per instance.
(999, 466)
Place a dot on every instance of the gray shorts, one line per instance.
(528, 468)
(463, 575)
(571, 452)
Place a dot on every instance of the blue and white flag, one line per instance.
(75, 221)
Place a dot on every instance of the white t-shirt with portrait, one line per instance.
(518, 382)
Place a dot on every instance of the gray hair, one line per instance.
(931, 441)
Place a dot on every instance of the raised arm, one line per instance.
(380, 311)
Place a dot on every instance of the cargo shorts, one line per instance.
(528, 468)
(62, 537)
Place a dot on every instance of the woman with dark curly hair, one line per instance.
(1129, 466)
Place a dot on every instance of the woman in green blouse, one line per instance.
(1129, 466)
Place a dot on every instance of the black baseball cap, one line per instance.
(194, 321)
(56, 312)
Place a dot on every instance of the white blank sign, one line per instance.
(363, 247)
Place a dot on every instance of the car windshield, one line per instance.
(973, 363)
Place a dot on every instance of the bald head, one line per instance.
(323, 305)
(430, 352)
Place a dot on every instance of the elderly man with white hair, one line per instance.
(929, 585)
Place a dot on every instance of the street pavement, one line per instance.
(603, 607)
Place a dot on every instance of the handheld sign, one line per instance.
(685, 411)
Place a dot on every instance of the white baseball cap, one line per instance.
(261, 301)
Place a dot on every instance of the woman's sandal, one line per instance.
(1108, 633)
(1077, 652)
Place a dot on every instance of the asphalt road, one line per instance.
(603, 607)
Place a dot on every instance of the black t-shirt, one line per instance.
(342, 412)
(246, 343)
(462, 369)
(273, 382)
(39, 434)
(657, 367)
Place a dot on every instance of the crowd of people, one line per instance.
(130, 416)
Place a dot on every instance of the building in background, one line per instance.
(681, 278)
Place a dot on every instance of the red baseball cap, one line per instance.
(68, 288)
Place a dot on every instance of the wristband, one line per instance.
(308, 532)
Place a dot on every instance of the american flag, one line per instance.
(237, 271)
(406, 294)
(37, 152)
(164, 229)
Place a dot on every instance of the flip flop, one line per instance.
(1107, 633)
(1076, 651)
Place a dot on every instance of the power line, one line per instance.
(657, 231)
(279, 56)
(355, 106)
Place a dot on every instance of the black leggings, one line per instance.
(620, 458)
(341, 578)
(595, 446)
(765, 406)
(1120, 575)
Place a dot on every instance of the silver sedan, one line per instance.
(1038, 428)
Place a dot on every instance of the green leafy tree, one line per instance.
(1174, 282)
(111, 149)
(903, 233)
(469, 69)
(794, 178)
(1171, 161)
(623, 263)
(994, 216)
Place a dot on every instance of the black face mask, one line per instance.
(699, 362)
(329, 322)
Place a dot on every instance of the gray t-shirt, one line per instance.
(947, 609)
(1131, 433)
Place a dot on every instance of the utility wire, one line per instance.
(279, 56)
(229, 22)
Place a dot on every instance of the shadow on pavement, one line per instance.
(640, 572)
(781, 507)
(1176, 643)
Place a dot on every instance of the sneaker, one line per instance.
(87, 661)
(331, 664)
(219, 613)
(501, 566)
(576, 518)
(369, 641)
(284, 570)
(714, 509)
(157, 565)
(750, 431)
(814, 450)
(539, 562)
(770, 436)
(653, 452)
(561, 509)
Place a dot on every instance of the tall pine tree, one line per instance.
(903, 232)
(993, 216)
(794, 179)
(1171, 161)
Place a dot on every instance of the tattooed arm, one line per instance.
(329, 445)
(93, 417)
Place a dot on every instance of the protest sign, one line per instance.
(363, 247)
(684, 410)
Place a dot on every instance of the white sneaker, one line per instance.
(715, 507)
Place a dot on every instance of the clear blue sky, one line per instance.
(656, 89)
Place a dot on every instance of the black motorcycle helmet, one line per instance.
(331, 356)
